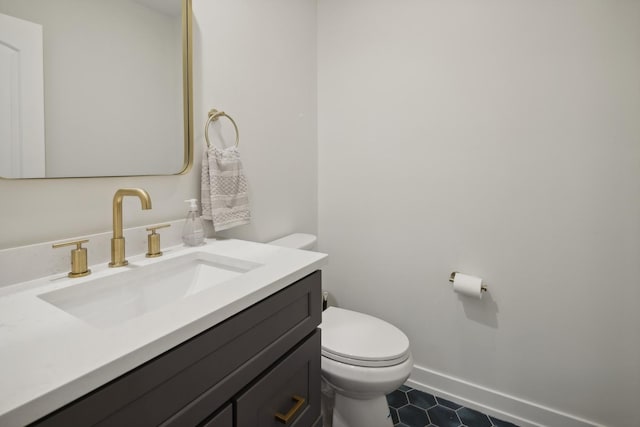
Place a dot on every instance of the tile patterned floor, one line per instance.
(413, 408)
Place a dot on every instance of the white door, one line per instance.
(22, 152)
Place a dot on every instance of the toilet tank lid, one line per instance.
(296, 241)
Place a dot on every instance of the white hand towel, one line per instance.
(224, 188)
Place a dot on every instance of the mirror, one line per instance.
(95, 88)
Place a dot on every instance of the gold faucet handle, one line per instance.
(156, 227)
(78, 258)
(153, 241)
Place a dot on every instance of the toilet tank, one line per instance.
(296, 241)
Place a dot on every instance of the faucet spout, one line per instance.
(117, 242)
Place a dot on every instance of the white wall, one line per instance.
(257, 63)
(499, 139)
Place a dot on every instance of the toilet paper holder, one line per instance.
(452, 277)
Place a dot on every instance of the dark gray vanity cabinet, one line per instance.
(258, 368)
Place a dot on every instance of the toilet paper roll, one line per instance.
(468, 285)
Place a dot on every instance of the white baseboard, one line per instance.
(491, 402)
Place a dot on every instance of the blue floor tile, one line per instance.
(472, 418)
(421, 399)
(443, 417)
(413, 416)
(414, 408)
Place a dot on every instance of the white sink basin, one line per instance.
(108, 301)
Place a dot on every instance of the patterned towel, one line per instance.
(224, 188)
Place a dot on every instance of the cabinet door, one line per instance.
(290, 390)
(223, 419)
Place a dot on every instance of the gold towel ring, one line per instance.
(213, 115)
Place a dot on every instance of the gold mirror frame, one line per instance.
(187, 94)
(187, 81)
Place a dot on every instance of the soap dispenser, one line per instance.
(193, 231)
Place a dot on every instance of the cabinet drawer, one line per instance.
(189, 382)
(281, 390)
(223, 419)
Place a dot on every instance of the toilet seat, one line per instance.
(361, 340)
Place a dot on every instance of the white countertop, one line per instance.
(49, 358)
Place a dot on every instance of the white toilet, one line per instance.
(363, 359)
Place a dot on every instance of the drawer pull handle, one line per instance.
(285, 418)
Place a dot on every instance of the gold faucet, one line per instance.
(117, 242)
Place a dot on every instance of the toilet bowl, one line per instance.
(363, 359)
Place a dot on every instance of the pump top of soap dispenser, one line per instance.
(193, 204)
